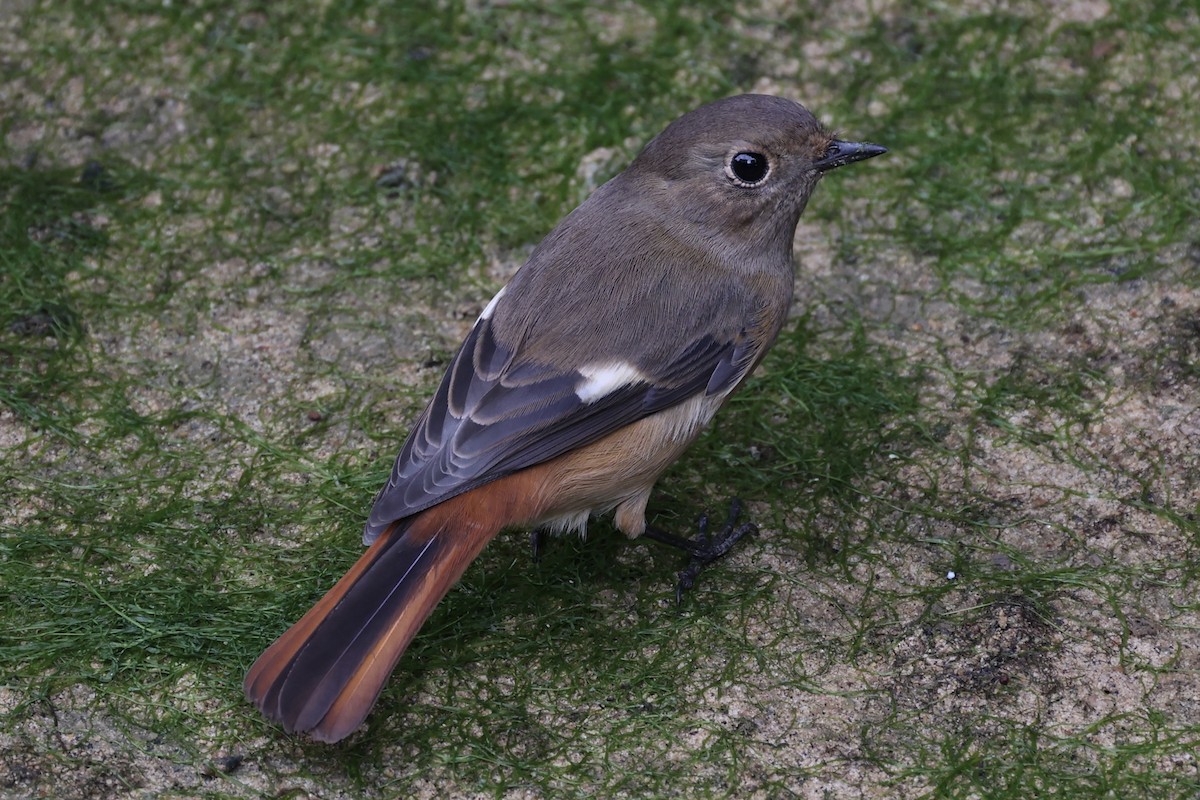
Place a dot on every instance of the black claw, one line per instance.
(704, 548)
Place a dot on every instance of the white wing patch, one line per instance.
(491, 306)
(601, 380)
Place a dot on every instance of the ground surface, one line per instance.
(239, 243)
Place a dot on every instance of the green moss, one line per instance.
(237, 244)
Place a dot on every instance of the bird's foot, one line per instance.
(704, 548)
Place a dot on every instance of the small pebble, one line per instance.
(229, 764)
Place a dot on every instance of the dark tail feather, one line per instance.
(323, 675)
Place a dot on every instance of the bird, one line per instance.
(608, 352)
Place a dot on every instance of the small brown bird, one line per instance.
(582, 381)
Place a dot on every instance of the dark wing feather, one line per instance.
(492, 416)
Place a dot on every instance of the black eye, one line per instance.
(749, 168)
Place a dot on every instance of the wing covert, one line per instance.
(494, 414)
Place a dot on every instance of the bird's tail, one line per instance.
(323, 675)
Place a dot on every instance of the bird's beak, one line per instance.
(841, 153)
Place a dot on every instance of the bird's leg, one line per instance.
(703, 548)
(537, 541)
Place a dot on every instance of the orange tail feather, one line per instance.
(323, 675)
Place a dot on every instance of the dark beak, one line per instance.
(841, 153)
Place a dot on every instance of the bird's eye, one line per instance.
(748, 169)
